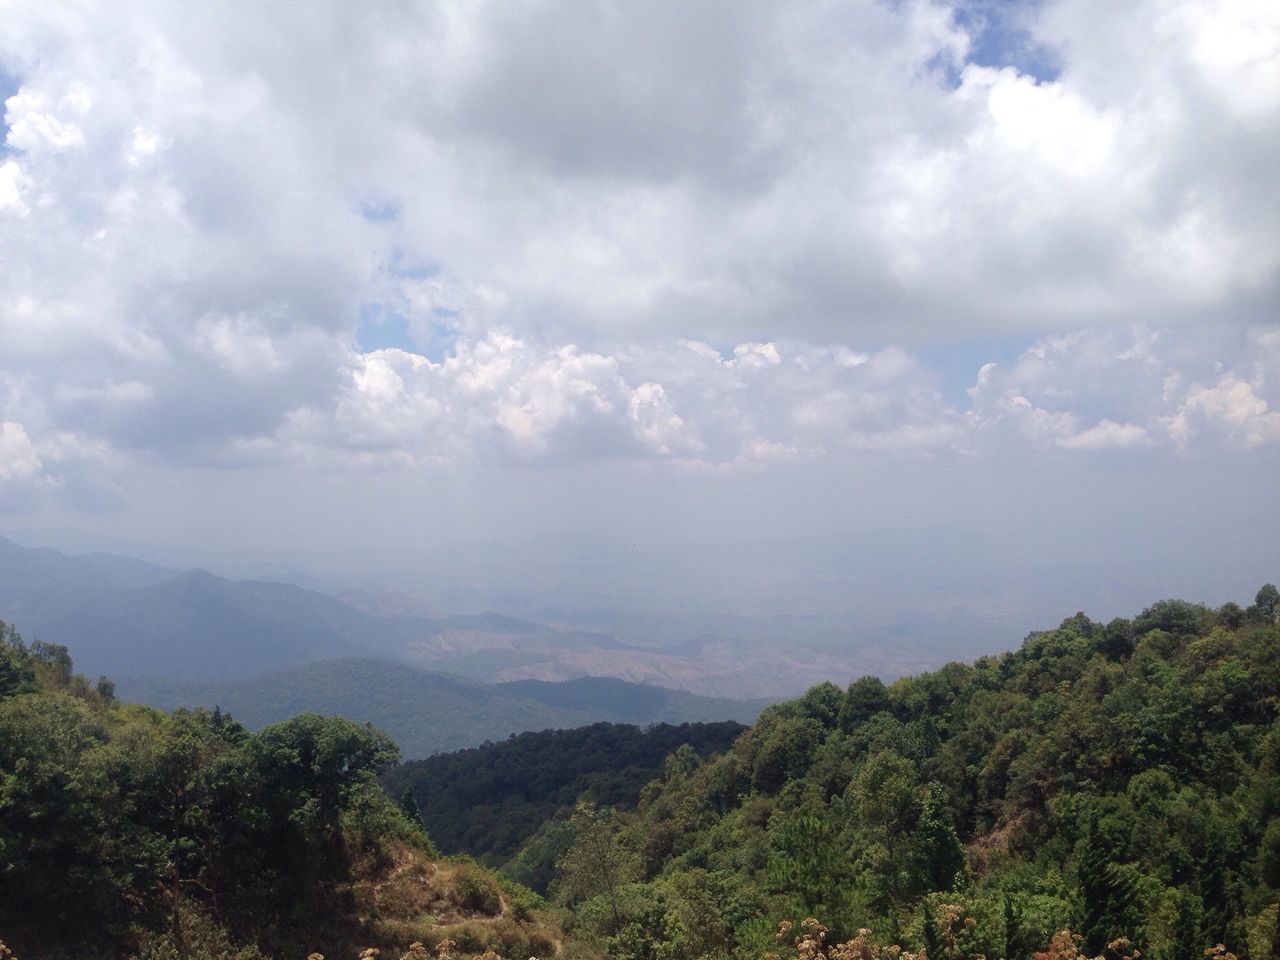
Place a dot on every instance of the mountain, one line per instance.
(129, 618)
(200, 625)
(125, 617)
(427, 712)
(34, 580)
(386, 603)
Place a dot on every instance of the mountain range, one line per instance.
(128, 619)
(427, 712)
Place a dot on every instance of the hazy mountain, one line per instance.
(34, 580)
(623, 702)
(428, 712)
(125, 617)
(386, 603)
(199, 625)
(129, 618)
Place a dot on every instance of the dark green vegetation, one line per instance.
(1121, 779)
(490, 801)
(127, 831)
(427, 712)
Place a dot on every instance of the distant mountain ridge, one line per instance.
(620, 701)
(127, 618)
(427, 712)
(32, 578)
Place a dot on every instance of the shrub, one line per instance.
(474, 891)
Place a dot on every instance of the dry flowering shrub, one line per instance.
(810, 944)
(417, 951)
(1219, 953)
(951, 924)
(315, 956)
(443, 948)
(370, 953)
(6, 953)
(1065, 945)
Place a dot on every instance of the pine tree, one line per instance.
(1108, 895)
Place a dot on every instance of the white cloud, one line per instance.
(505, 398)
(713, 232)
(1231, 408)
(11, 179)
(37, 124)
(239, 345)
(146, 143)
(1236, 47)
(658, 426)
(1105, 435)
(19, 459)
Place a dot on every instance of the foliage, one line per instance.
(1107, 791)
(491, 801)
(1120, 780)
(125, 829)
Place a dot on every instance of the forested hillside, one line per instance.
(489, 801)
(128, 832)
(1119, 779)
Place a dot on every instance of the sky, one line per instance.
(920, 308)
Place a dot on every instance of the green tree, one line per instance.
(596, 863)
(787, 745)
(1267, 602)
(16, 671)
(306, 769)
(865, 697)
(56, 798)
(1107, 893)
(408, 805)
(806, 861)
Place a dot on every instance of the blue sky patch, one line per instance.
(1000, 38)
(957, 364)
(8, 87)
(380, 209)
(405, 264)
(383, 329)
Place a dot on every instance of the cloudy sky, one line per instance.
(589, 293)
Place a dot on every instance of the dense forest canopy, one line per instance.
(1118, 780)
(490, 801)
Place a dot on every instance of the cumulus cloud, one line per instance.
(19, 460)
(1106, 434)
(38, 465)
(716, 233)
(1231, 407)
(504, 399)
(11, 200)
(1100, 389)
